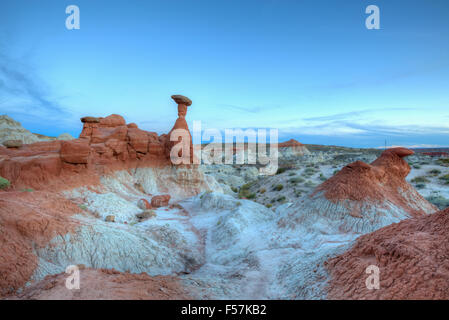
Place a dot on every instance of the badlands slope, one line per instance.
(139, 227)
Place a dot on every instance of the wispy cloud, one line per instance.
(22, 89)
(250, 109)
(354, 114)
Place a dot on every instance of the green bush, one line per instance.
(420, 179)
(279, 187)
(262, 191)
(281, 170)
(268, 205)
(4, 183)
(434, 172)
(291, 174)
(322, 177)
(445, 178)
(309, 171)
(235, 190)
(416, 166)
(439, 201)
(245, 192)
(296, 180)
(27, 190)
(420, 185)
(309, 184)
(281, 199)
(443, 162)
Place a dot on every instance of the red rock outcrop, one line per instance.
(104, 145)
(412, 257)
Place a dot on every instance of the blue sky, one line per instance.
(309, 68)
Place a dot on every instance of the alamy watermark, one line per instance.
(72, 282)
(231, 146)
(373, 281)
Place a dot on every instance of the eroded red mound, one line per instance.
(290, 144)
(382, 180)
(412, 256)
(29, 219)
(105, 284)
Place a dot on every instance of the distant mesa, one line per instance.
(290, 143)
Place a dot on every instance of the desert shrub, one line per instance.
(416, 166)
(263, 190)
(420, 179)
(439, 201)
(434, 172)
(296, 180)
(244, 191)
(291, 174)
(278, 187)
(443, 162)
(322, 177)
(82, 207)
(281, 170)
(4, 183)
(268, 205)
(309, 184)
(420, 185)
(309, 171)
(335, 172)
(281, 199)
(235, 190)
(445, 178)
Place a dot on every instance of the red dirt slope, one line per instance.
(29, 219)
(104, 284)
(413, 258)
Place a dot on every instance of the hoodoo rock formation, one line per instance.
(104, 145)
(412, 257)
(364, 197)
(181, 127)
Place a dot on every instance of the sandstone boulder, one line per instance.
(160, 201)
(144, 204)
